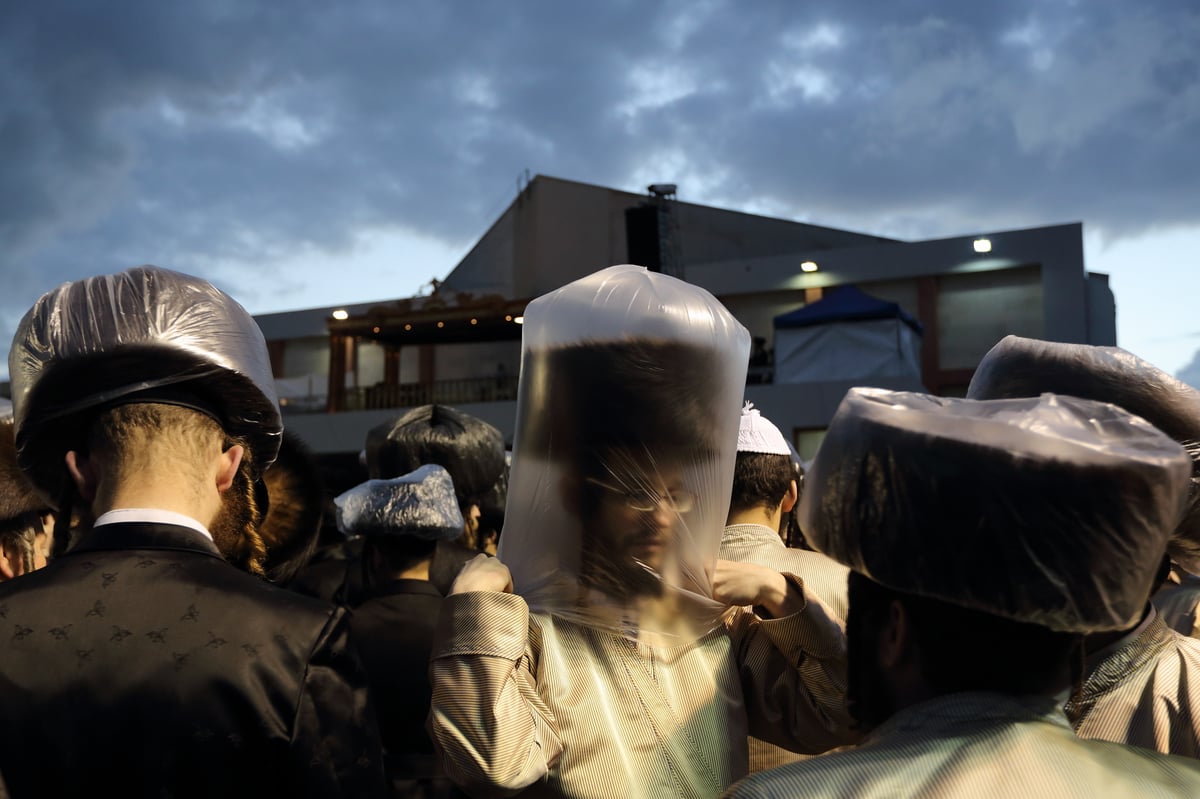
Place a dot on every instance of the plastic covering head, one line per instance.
(626, 435)
(419, 505)
(143, 332)
(1051, 510)
(1025, 367)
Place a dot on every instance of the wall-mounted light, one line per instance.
(508, 317)
(808, 266)
(982, 245)
(441, 324)
(520, 320)
(375, 329)
(408, 327)
(474, 321)
(341, 314)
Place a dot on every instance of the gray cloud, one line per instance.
(204, 135)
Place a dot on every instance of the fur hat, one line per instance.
(1053, 511)
(1025, 367)
(646, 395)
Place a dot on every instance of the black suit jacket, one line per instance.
(393, 631)
(143, 664)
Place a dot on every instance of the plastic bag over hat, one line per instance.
(420, 504)
(1025, 367)
(626, 436)
(145, 331)
(1052, 510)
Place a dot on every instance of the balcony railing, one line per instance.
(444, 392)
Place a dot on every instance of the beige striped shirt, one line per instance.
(537, 702)
(1145, 691)
(980, 746)
(825, 577)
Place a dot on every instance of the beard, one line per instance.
(869, 697)
(619, 575)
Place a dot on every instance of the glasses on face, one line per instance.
(645, 501)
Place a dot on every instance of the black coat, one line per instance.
(143, 664)
(394, 633)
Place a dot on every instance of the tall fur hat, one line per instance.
(1023, 367)
(1052, 510)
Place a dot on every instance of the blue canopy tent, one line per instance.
(847, 335)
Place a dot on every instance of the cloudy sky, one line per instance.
(313, 153)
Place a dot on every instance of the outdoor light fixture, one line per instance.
(983, 245)
(375, 329)
(408, 327)
(340, 314)
(474, 321)
(441, 324)
(808, 266)
(508, 317)
(520, 320)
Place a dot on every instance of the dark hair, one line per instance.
(292, 522)
(760, 480)
(470, 449)
(967, 650)
(398, 553)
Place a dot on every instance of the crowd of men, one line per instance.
(993, 596)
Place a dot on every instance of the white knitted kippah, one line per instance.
(756, 434)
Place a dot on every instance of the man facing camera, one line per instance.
(598, 656)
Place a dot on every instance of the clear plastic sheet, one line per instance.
(420, 504)
(92, 341)
(1024, 367)
(626, 434)
(1051, 510)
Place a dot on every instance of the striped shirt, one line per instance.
(531, 700)
(825, 577)
(1144, 691)
(980, 746)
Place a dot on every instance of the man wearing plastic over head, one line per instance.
(617, 667)
(147, 660)
(1142, 681)
(984, 539)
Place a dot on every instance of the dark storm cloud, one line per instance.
(237, 132)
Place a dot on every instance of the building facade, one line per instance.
(338, 377)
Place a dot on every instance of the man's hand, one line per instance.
(483, 573)
(736, 583)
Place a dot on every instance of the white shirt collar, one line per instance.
(154, 515)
